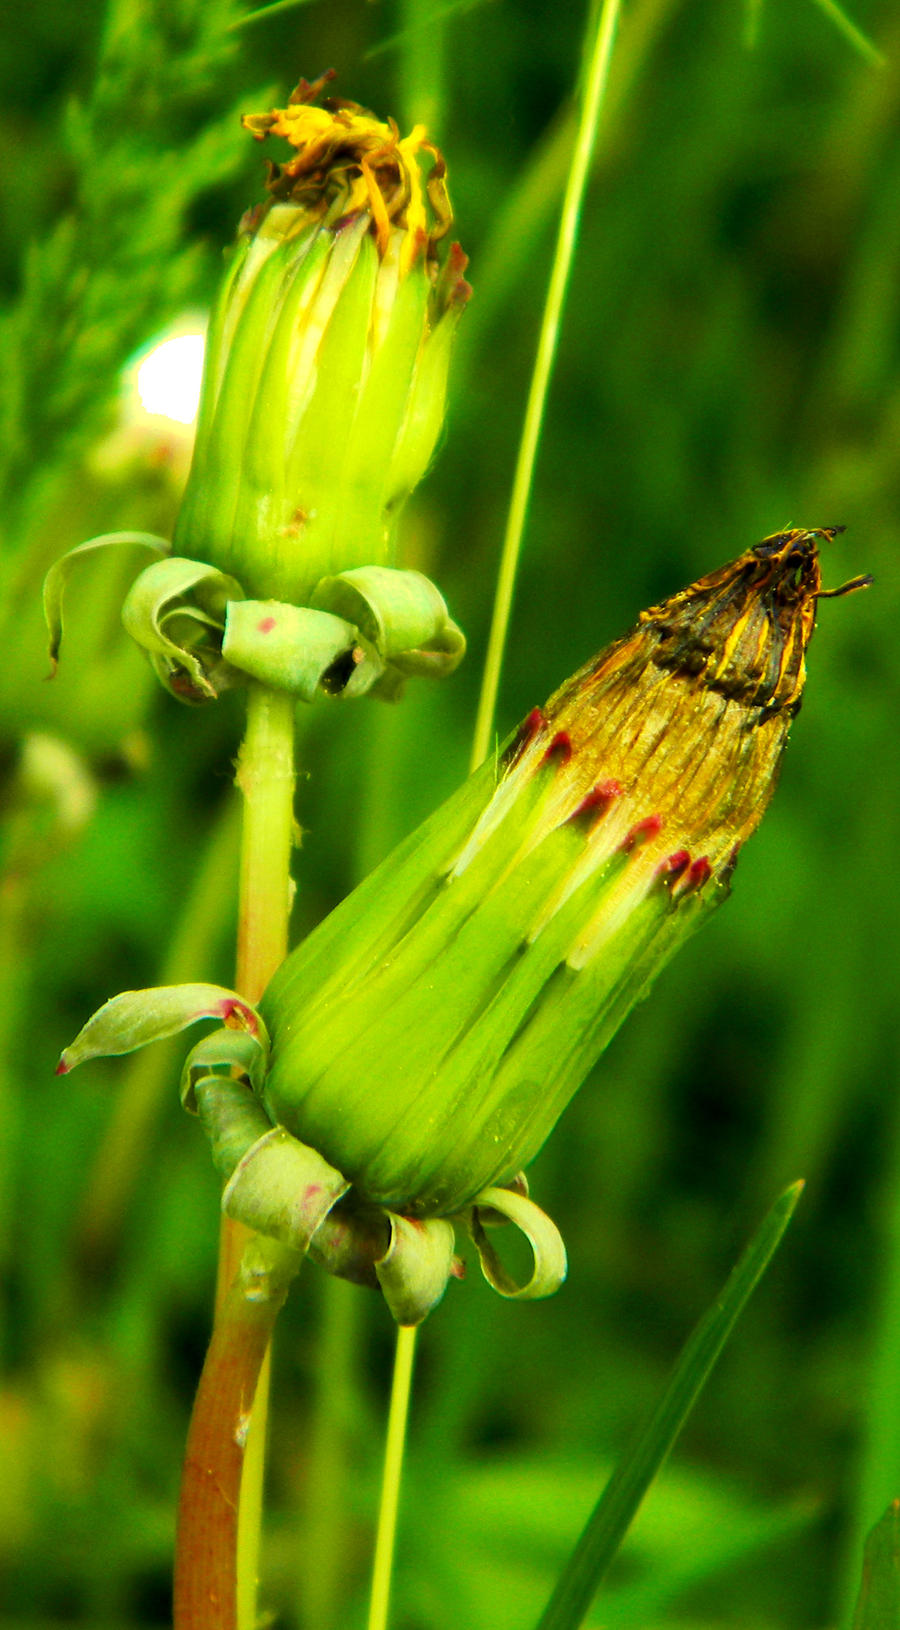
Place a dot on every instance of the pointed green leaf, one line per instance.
(878, 1607)
(610, 1519)
(59, 573)
(136, 1017)
(543, 1236)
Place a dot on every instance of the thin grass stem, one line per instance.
(401, 1390)
(599, 58)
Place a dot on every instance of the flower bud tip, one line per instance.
(641, 832)
(237, 1015)
(699, 872)
(523, 737)
(597, 801)
(673, 866)
(560, 747)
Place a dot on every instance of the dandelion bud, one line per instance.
(325, 377)
(429, 1033)
(323, 398)
(420, 1044)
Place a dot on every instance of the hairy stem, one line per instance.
(206, 1582)
(227, 1543)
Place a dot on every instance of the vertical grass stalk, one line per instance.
(598, 61)
(597, 57)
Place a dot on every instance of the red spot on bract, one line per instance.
(525, 734)
(699, 872)
(266, 625)
(560, 747)
(599, 799)
(642, 831)
(673, 865)
(458, 1268)
(237, 1015)
(62, 1068)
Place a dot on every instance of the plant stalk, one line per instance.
(206, 1576)
(598, 62)
(220, 1511)
(598, 59)
(398, 1416)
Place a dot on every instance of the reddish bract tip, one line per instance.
(458, 1268)
(525, 734)
(560, 747)
(699, 872)
(672, 867)
(238, 1016)
(642, 831)
(598, 799)
(62, 1068)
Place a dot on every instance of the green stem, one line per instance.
(398, 1416)
(592, 102)
(265, 778)
(598, 60)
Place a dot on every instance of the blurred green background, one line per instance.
(728, 366)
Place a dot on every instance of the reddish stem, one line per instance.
(205, 1570)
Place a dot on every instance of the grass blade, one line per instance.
(598, 61)
(878, 1607)
(619, 1502)
(852, 33)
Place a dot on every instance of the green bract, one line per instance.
(323, 398)
(411, 1056)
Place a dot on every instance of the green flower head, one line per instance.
(327, 357)
(413, 1054)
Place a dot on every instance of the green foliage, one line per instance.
(728, 365)
(878, 1607)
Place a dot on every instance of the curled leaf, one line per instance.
(176, 612)
(279, 1187)
(402, 613)
(59, 573)
(137, 1017)
(543, 1236)
(297, 649)
(414, 1270)
(225, 1050)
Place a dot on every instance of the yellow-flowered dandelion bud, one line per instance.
(422, 1042)
(323, 397)
(327, 359)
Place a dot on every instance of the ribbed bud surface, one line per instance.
(327, 356)
(428, 1035)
